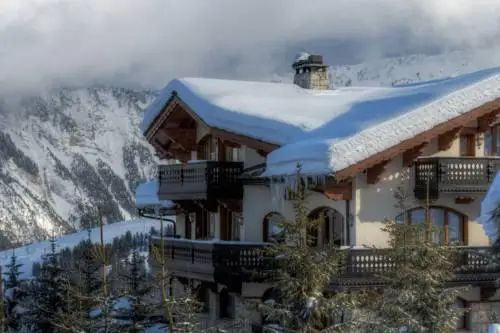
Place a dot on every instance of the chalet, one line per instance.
(238, 143)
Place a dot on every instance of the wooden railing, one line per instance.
(200, 180)
(225, 261)
(460, 175)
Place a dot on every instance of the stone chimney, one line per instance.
(310, 72)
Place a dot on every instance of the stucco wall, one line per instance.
(370, 205)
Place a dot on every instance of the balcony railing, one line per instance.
(457, 175)
(200, 181)
(228, 262)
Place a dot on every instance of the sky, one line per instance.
(149, 42)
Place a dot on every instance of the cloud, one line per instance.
(151, 41)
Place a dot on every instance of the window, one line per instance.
(236, 221)
(233, 154)
(211, 225)
(332, 229)
(450, 224)
(272, 232)
(492, 141)
(467, 145)
(208, 149)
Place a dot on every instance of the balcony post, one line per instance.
(213, 306)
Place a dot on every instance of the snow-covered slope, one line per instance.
(27, 255)
(415, 68)
(410, 68)
(67, 152)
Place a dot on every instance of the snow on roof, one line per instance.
(302, 56)
(327, 130)
(490, 210)
(146, 195)
(272, 112)
(383, 119)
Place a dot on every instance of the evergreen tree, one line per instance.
(14, 294)
(137, 309)
(300, 284)
(49, 303)
(84, 291)
(415, 297)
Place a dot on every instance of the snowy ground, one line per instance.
(29, 254)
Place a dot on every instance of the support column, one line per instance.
(217, 221)
(213, 307)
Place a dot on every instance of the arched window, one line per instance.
(272, 232)
(332, 229)
(450, 224)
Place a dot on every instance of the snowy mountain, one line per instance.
(415, 68)
(64, 153)
(410, 69)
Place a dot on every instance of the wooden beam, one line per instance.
(180, 154)
(484, 122)
(184, 137)
(445, 141)
(243, 140)
(463, 200)
(411, 155)
(374, 173)
(262, 152)
(338, 190)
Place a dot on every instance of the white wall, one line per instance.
(370, 205)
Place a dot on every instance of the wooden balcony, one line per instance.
(229, 263)
(201, 181)
(454, 175)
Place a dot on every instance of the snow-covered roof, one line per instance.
(273, 112)
(302, 56)
(327, 130)
(490, 210)
(146, 195)
(381, 120)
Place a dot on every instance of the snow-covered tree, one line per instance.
(304, 272)
(137, 288)
(49, 297)
(83, 291)
(416, 297)
(14, 294)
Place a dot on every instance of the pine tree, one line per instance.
(302, 277)
(138, 288)
(102, 254)
(84, 290)
(415, 297)
(49, 302)
(14, 294)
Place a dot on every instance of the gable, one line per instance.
(177, 131)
